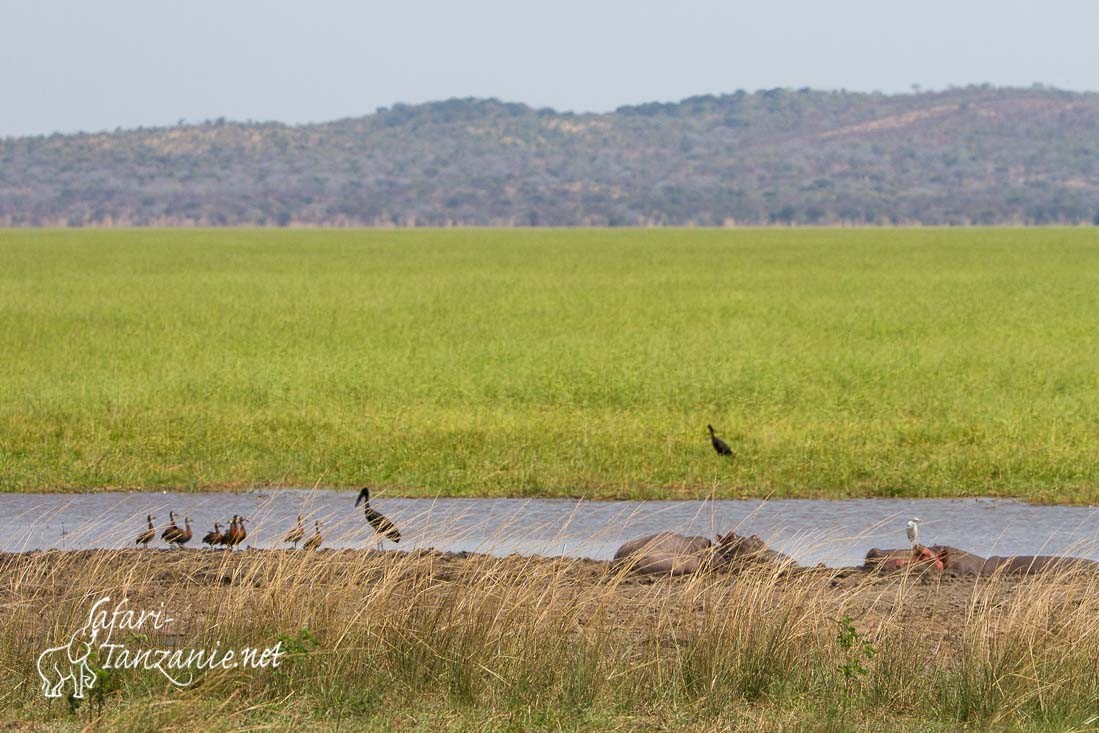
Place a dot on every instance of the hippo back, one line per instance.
(959, 562)
(919, 558)
(665, 553)
(886, 559)
(1036, 564)
(734, 549)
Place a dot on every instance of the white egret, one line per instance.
(913, 529)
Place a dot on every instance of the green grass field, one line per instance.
(577, 363)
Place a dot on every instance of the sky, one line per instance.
(89, 65)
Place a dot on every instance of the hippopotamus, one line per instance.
(1035, 564)
(669, 553)
(919, 558)
(954, 561)
(876, 558)
(733, 548)
(665, 553)
(958, 562)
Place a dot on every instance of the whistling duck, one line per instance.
(236, 533)
(213, 537)
(719, 445)
(294, 536)
(172, 532)
(385, 528)
(228, 531)
(185, 535)
(147, 536)
(315, 541)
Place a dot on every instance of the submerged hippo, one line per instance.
(665, 553)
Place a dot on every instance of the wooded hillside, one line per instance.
(978, 155)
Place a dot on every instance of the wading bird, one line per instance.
(385, 528)
(315, 541)
(913, 531)
(294, 536)
(172, 532)
(213, 537)
(147, 536)
(719, 445)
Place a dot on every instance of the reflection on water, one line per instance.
(833, 532)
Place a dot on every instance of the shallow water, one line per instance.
(833, 532)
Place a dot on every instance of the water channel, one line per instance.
(833, 532)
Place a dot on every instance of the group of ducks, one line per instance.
(177, 536)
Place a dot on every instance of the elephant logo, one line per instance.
(60, 665)
(73, 669)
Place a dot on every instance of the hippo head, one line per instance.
(732, 545)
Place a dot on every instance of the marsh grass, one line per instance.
(424, 640)
(577, 363)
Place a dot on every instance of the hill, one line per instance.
(977, 155)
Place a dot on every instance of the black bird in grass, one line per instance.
(386, 529)
(719, 445)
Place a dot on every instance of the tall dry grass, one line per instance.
(423, 640)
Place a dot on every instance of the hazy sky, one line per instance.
(68, 65)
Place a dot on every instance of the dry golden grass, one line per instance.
(425, 641)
